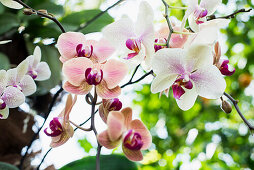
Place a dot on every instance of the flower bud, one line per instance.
(226, 107)
(28, 11)
(44, 11)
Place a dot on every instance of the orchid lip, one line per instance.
(33, 74)
(86, 52)
(93, 76)
(133, 45)
(226, 69)
(160, 43)
(55, 126)
(1, 116)
(133, 140)
(115, 105)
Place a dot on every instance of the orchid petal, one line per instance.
(103, 50)
(192, 4)
(115, 122)
(22, 69)
(43, 71)
(11, 4)
(209, 82)
(118, 32)
(133, 155)
(82, 89)
(37, 56)
(172, 61)
(5, 41)
(74, 70)
(104, 92)
(13, 97)
(210, 5)
(139, 127)
(64, 137)
(187, 100)
(127, 113)
(162, 82)
(4, 113)
(3, 80)
(11, 76)
(177, 40)
(103, 139)
(68, 107)
(192, 23)
(27, 85)
(102, 113)
(113, 72)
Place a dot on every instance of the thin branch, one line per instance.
(79, 127)
(98, 16)
(235, 102)
(46, 15)
(229, 16)
(36, 134)
(138, 80)
(44, 158)
(168, 21)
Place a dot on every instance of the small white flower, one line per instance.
(11, 4)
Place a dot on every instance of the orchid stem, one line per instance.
(175, 7)
(230, 15)
(79, 127)
(186, 33)
(166, 15)
(235, 103)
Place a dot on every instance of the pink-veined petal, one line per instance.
(37, 56)
(119, 31)
(209, 82)
(13, 97)
(162, 81)
(27, 85)
(22, 69)
(3, 80)
(103, 113)
(104, 140)
(82, 89)
(113, 72)
(11, 76)
(133, 155)
(139, 127)
(168, 61)
(210, 5)
(104, 92)
(127, 113)
(4, 113)
(187, 100)
(43, 71)
(192, 4)
(68, 107)
(11, 4)
(67, 43)
(103, 50)
(115, 122)
(64, 137)
(74, 69)
(177, 40)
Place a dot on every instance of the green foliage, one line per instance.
(108, 162)
(5, 63)
(85, 144)
(5, 166)
(7, 22)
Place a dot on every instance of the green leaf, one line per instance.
(6, 166)
(85, 144)
(51, 8)
(5, 63)
(74, 20)
(107, 162)
(7, 22)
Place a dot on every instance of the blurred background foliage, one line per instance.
(204, 137)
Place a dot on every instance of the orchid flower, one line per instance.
(38, 70)
(11, 4)
(17, 78)
(222, 64)
(135, 39)
(82, 74)
(109, 105)
(61, 130)
(197, 13)
(10, 97)
(133, 134)
(5, 42)
(74, 44)
(190, 72)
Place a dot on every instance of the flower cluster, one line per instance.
(16, 83)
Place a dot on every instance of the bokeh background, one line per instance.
(203, 137)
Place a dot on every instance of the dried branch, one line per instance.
(235, 102)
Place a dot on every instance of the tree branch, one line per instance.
(138, 80)
(235, 102)
(97, 16)
(228, 16)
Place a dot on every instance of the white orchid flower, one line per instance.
(17, 77)
(38, 70)
(5, 42)
(11, 4)
(190, 72)
(10, 97)
(197, 13)
(136, 39)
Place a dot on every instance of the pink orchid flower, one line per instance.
(109, 105)
(197, 13)
(39, 71)
(190, 72)
(134, 39)
(82, 74)
(10, 97)
(133, 134)
(17, 77)
(61, 130)
(74, 44)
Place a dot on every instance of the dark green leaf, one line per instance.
(7, 22)
(6, 166)
(5, 63)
